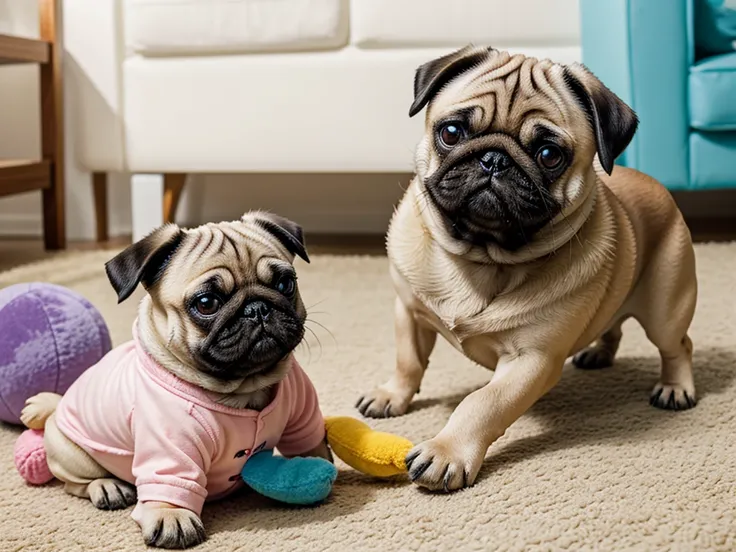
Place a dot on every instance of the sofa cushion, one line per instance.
(191, 27)
(713, 93)
(429, 23)
(715, 26)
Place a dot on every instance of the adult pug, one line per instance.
(522, 249)
(209, 379)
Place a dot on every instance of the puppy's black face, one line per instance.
(491, 186)
(249, 330)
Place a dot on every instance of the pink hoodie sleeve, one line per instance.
(305, 429)
(173, 453)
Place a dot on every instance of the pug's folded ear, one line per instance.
(143, 262)
(433, 75)
(287, 232)
(614, 122)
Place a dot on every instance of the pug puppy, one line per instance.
(521, 244)
(170, 418)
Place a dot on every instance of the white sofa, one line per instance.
(164, 88)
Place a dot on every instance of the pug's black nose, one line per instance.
(257, 310)
(494, 162)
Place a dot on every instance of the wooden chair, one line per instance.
(46, 174)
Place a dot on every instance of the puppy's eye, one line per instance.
(550, 157)
(286, 285)
(451, 134)
(207, 304)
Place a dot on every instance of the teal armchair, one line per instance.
(644, 50)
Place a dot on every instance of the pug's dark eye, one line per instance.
(550, 157)
(286, 285)
(451, 134)
(207, 304)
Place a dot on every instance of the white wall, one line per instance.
(18, 134)
(20, 138)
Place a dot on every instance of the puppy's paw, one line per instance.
(38, 409)
(593, 358)
(441, 465)
(673, 397)
(166, 526)
(111, 494)
(381, 403)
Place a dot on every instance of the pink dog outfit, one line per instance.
(170, 438)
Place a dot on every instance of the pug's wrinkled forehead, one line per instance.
(484, 90)
(503, 92)
(257, 249)
(253, 248)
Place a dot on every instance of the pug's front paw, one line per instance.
(382, 403)
(167, 526)
(443, 465)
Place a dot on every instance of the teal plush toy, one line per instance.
(300, 481)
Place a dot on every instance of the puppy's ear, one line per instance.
(433, 75)
(288, 232)
(144, 261)
(614, 122)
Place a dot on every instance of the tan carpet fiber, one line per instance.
(592, 466)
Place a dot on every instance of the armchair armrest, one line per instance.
(642, 50)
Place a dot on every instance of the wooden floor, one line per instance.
(15, 252)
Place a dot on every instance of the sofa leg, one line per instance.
(173, 187)
(147, 195)
(99, 189)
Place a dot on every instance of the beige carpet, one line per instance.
(592, 466)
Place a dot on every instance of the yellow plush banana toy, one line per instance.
(364, 449)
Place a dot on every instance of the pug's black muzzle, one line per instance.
(254, 340)
(490, 189)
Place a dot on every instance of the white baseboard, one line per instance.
(24, 225)
(344, 222)
(29, 225)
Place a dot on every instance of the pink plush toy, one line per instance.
(30, 457)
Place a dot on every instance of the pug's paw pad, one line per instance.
(111, 494)
(438, 465)
(593, 358)
(673, 397)
(381, 403)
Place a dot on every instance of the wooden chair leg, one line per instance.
(52, 127)
(99, 189)
(173, 187)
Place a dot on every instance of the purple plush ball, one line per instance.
(49, 335)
